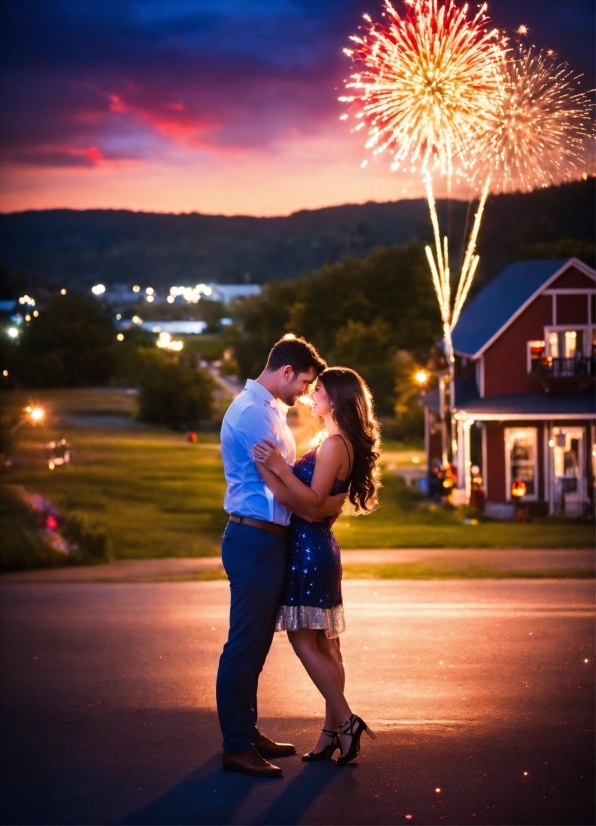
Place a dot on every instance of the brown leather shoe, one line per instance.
(267, 748)
(249, 762)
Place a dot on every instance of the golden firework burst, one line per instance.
(542, 132)
(430, 83)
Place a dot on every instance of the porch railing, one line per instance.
(560, 368)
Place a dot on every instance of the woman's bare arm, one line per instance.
(330, 507)
(312, 503)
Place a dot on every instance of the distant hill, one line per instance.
(64, 247)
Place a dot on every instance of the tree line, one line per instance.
(378, 316)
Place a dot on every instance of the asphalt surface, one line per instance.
(481, 693)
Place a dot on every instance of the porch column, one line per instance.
(462, 459)
(468, 451)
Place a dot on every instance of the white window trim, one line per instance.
(528, 497)
(561, 328)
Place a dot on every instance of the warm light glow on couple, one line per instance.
(279, 552)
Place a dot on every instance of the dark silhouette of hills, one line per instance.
(72, 248)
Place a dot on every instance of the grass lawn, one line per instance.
(157, 495)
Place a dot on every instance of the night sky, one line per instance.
(225, 106)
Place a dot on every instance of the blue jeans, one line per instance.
(255, 562)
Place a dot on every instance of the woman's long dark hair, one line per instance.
(353, 412)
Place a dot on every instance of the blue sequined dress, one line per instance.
(312, 593)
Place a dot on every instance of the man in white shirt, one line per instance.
(254, 549)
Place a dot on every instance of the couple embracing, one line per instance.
(278, 550)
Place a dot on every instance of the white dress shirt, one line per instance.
(253, 416)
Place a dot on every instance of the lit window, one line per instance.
(520, 457)
(536, 353)
(553, 345)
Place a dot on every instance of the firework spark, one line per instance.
(430, 83)
(430, 87)
(542, 131)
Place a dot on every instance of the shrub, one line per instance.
(21, 545)
(91, 541)
(172, 394)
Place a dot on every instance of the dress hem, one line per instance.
(294, 617)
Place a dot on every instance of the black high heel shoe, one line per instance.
(354, 727)
(327, 752)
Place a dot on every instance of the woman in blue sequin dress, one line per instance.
(312, 609)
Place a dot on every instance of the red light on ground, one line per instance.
(51, 523)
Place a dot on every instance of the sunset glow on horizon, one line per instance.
(195, 105)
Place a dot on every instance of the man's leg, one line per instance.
(255, 564)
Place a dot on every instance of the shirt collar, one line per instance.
(261, 392)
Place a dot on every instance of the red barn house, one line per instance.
(524, 405)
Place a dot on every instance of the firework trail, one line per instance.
(543, 128)
(429, 90)
(441, 91)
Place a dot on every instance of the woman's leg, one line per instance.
(322, 660)
(331, 649)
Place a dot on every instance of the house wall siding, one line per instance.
(572, 309)
(505, 361)
(494, 472)
(573, 279)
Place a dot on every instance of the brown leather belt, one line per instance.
(270, 527)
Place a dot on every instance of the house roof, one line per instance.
(465, 392)
(489, 311)
(531, 406)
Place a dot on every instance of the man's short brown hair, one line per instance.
(301, 355)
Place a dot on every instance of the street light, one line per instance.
(421, 377)
(13, 332)
(34, 414)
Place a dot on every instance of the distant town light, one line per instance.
(170, 299)
(26, 299)
(190, 294)
(62, 291)
(13, 332)
(136, 320)
(5, 373)
(164, 340)
(99, 289)
(35, 313)
(118, 316)
(136, 289)
(120, 337)
(149, 298)
(27, 318)
(150, 291)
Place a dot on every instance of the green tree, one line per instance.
(368, 349)
(172, 394)
(409, 412)
(70, 344)
(359, 313)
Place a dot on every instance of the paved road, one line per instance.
(139, 570)
(481, 693)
